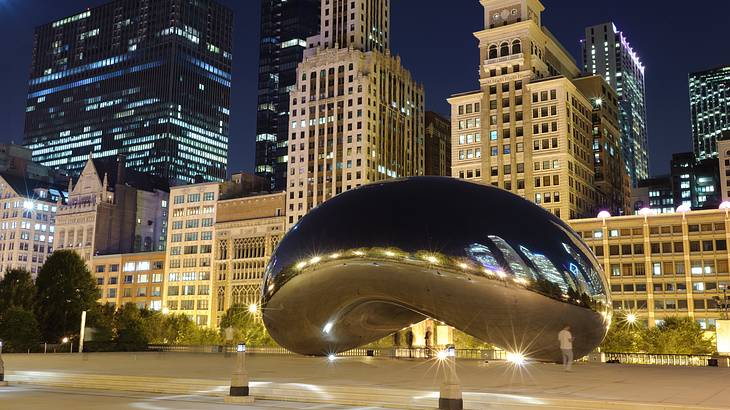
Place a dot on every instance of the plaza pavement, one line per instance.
(382, 382)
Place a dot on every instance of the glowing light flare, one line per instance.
(442, 355)
(331, 357)
(501, 274)
(646, 212)
(683, 208)
(334, 256)
(328, 327)
(314, 260)
(359, 253)
(516, 358)
(463, 266)
(432, 259)
(253, 308)
(301, 265)
(725, 205)
(64, 340)
(604, 215)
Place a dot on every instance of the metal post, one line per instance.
(450, 394)
(3, 383)
(239, 393)
(81, 333)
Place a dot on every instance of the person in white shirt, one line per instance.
(566, 346)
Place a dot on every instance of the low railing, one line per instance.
(659, 359)
(390, 352)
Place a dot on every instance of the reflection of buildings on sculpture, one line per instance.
(247, 231)
(131, 278)
(528, 129)
(112, 210)
(660, 265)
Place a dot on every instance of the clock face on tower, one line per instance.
(505, 15)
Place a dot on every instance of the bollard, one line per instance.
(450, 394)
(239, 393)
(3, 383)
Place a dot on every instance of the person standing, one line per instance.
(566, 346)
(428, 342)
(409, 342)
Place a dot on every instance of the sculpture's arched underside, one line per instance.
(377, 259)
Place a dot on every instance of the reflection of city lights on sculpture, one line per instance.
(432, 259)
(604, 215)
(516, 273)
(518, 359)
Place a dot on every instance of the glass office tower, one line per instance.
(709, 98)
(285, 26)
(607, 52)
(149, 79)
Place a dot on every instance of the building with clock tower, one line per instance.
(528, 128)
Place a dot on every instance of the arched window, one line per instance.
(492, 51)
(504, 49)
(516, 47)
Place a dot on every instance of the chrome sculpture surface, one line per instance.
(379, 258)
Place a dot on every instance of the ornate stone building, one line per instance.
(528, 128)
(112, 210)
(247, 230)
(357, 116)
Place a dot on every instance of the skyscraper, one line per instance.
(528, 128)
(607, 52)
(709, 99)
(357, 116)
(149, 79)
(285, 27)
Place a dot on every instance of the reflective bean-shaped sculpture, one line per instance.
(374, 260)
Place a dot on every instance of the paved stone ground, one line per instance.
(683, 386)
(31, 398)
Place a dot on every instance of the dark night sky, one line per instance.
(437, 45)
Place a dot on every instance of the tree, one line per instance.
(466, 341)
(131, 329)
(623, 338)
(101, 319)
(65, 288)
(677, 336)
(247, 326)
(17, 290)
(19, 330)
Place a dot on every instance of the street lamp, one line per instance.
(239, 392)
(450, 393)
(66, 340)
